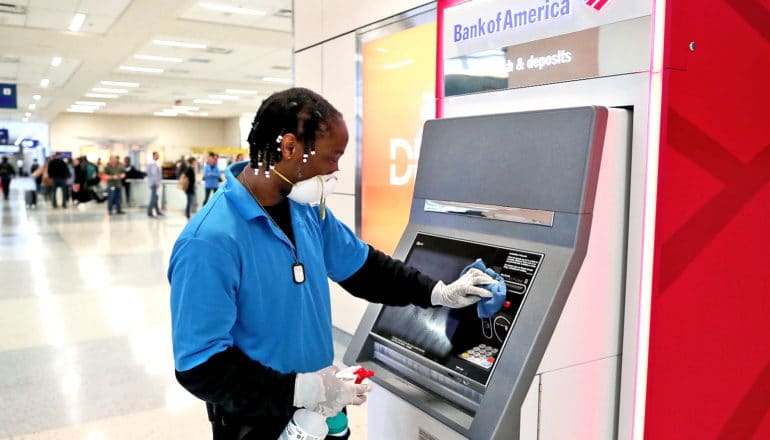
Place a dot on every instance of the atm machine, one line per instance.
(541, 198)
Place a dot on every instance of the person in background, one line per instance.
(59, 173)
(210, 176)
(249, 276)
(39, 178)
(154, 178)
(6, 174)
(114, 173)
(189, 171)
(129, 170)
(70, 180)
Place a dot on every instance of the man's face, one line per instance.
(155, 156)
(212, 160)
(113, 160)
(329, 147)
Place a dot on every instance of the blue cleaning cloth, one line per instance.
(487, 307)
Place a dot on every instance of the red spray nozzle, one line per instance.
(362, 373)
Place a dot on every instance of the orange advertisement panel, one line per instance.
(398, 97)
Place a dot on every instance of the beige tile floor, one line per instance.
(84, 328)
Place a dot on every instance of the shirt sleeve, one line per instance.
(389, 281)
(344, 253)
(203, 312)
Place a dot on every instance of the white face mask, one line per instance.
(312, 191)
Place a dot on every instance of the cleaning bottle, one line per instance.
(338, 426)
(305, 425)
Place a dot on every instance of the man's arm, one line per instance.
(385, 280)
(240, 385)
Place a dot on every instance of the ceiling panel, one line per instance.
(236, 56)
(109, 8)
(277, 14)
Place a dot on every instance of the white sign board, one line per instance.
(491, 24)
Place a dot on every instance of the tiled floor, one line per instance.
(84, 328)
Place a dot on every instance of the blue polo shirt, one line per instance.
(232, 283)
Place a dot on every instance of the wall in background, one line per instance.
(175, 136)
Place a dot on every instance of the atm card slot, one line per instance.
(515, 287)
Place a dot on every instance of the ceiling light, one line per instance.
(186, 108)
(44, 82)
(94, 103)
(241, 91)
(119, 83)
(207, 101)
(141, 69)
(157, 58)
(28, 114)
(277, 80)
(225, 97)
(77, 22)
(164, 113)
(36, 97)
(81, 110)
(101, 95)
(179, 44)
(55, 61)
(106, 90)
(231, 9)
(32, 106)
(87, 108)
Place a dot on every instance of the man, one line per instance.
(130, 173)
(189, 173)
(114, 173)
(6, 173)
(251, 313)
(154, 178)
(59, 173)
(210, 176)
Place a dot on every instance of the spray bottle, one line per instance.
(309, 425)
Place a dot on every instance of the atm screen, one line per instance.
(457, 338)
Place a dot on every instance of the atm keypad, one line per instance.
(482, 355)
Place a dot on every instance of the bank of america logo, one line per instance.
(597, 4)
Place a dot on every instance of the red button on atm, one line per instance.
(507, 305)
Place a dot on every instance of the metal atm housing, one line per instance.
(517, 190)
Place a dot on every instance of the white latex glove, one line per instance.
(463, 292)
(324, 393)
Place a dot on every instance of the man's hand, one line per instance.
(464, 291)
(325, 394)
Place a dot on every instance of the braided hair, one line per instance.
(298, 111)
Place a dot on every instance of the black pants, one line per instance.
(6, 186)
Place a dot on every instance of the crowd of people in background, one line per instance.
(67, 181)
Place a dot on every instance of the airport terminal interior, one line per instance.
(575, 173)
(86, 345)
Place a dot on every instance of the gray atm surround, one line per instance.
(541, 160)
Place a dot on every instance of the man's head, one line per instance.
(75, 161)
(212, 159)
(155, 155)
(300, 133)
(127, 161)
(57, 155)
(114, 159)
(5, 159)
